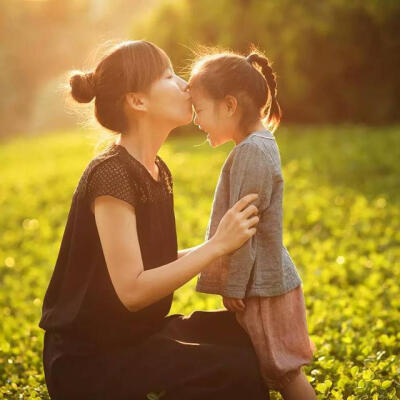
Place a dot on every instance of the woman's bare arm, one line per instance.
(138, 288)
(185, 252)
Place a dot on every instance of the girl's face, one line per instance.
(213, 117)
(168, 100)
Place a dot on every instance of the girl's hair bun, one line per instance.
(82, 86)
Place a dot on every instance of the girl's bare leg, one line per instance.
(299, 389)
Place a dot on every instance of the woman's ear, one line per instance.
(230, 104)
(136, 101)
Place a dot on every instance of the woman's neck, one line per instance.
(144, 141)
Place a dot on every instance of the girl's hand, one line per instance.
(233, 304)
(237, 225)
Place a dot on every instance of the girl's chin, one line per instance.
(210, 140)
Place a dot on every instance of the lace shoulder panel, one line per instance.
(110, 177)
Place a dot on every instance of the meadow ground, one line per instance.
(341, 226)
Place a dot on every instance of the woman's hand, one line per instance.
(237, 225)
(233, 304)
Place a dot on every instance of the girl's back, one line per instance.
(235, 98)
(262, 266)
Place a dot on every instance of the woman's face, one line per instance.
(169, 100)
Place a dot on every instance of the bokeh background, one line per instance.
(338, 66)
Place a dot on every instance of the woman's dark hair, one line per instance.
(250, 79)
(130, 66)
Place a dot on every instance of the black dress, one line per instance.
(94, 347)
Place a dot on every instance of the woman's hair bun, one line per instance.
(82, 86)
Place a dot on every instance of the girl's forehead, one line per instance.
(197, 93)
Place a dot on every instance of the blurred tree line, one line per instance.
(336, 60)
(40, 41)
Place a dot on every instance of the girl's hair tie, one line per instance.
(251, 58)
(261, 61)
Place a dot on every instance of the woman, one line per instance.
(108, 335)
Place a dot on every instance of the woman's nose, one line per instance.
(183, 84)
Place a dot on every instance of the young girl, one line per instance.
(233, 97)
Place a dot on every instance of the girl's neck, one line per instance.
(240, 136)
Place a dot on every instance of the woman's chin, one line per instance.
(185, 120)
(188, 119)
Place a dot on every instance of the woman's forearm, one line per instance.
(185, 252)
(154, 284)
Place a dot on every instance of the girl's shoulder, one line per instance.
(263, 140)
(259, 147)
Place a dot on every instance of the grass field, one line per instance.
(342, 228)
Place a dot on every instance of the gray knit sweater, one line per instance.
(262, 266)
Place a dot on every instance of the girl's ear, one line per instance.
(136, 101)
(230, 104)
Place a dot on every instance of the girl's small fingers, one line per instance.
(239, 305)
(227, 305)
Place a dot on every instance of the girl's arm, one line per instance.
(251, 172)
(138, 288)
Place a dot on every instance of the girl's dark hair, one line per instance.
(130, 66)
(250, 79)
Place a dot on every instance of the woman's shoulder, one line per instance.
(108, 162)
(103, 169)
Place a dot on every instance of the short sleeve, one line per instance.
(251, 172)
(110, 178)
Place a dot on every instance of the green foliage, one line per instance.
(341, 220)
(335, 60)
